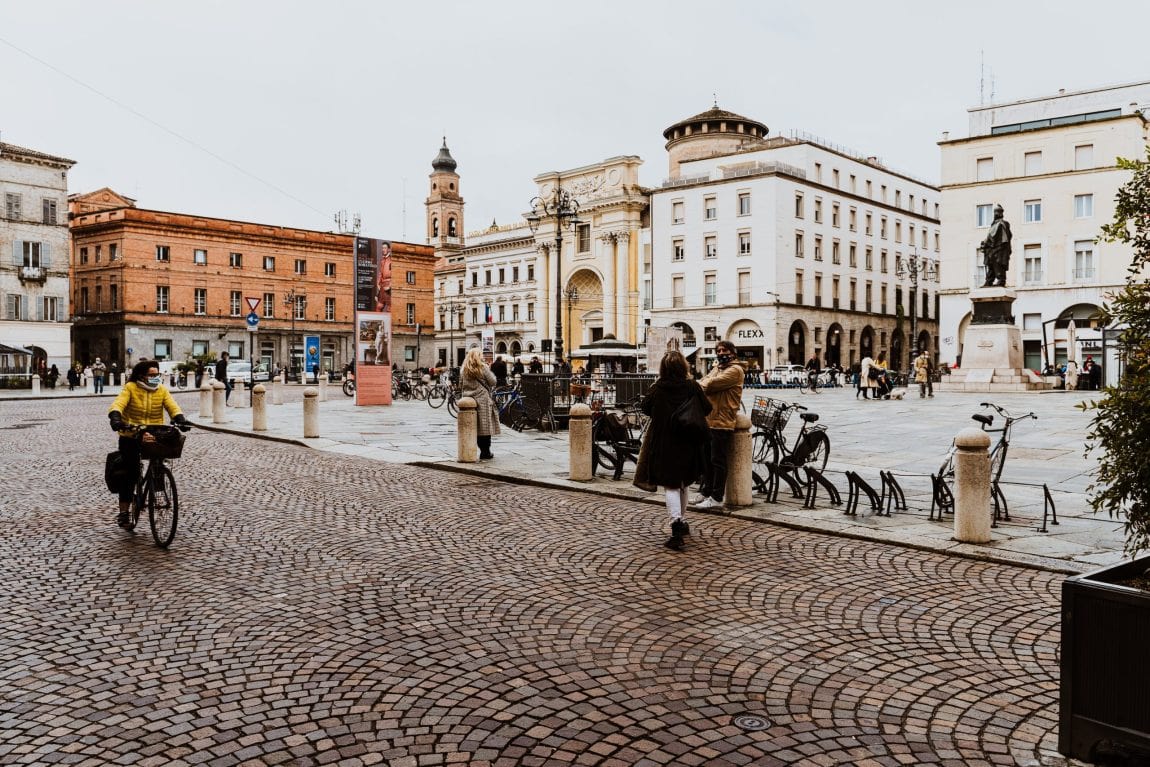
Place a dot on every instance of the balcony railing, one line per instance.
(1084, 274)
(1033, 278)
(33, 274)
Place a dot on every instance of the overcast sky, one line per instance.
(286, 111)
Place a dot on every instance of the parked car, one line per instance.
(241, 372)
(788, 375)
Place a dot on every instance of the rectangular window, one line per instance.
(1032, 163)
(984, 169)
(1084, 157)
(882, 299)
(409, 354)
(677, 292)
(99, 297)
(898, 231)
(818, 172)
(818, 211)
(869, 228)
(1084, 260)
(869, 259)
(300, 266)
(474, 316)
(200, 257)
(677, 212)
(515, 312)
(200, 298)
(677, 252)
(530, 312)
(709, 290)
(798, 204)
(530, 273)
(502, 274)
(161, 299)
(882, 228)
(818, 248)
(835, 292)
(744, 203)
(113, 296)
(300, 307)
(236, 260)
(475, 279)
(1032, 264)
(83, 255)
(83, 302)
(867, 297)
(836, 255)
(163, 253)
(798, 287)
(799, 245)
(835, 215)
(49, 211)
(852, 220)
(1032, 212)
(744, 243)
(487, 277)
(514, 274)
(12, 206)
(235, 303)
(710, 247)
(835, 177)
(583, 238)
(853, 255)
(99, 253)
(328, 269)
(411, 313)
(31, 254)
(161, 349)
(199, 348)
(854, 296)
(983, 215)
(818, 290)
(409, 277)
(1083, 206)
(269, 263)
(269, 305)
(744, 290)
(710, 212)
(882, 261)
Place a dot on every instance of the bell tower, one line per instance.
(444, 205)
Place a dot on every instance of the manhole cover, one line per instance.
(751, 722)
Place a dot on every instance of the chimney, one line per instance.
(946, 135)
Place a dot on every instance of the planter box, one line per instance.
(1105, 691)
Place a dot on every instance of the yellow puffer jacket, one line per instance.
(141, 407)
(724, 390)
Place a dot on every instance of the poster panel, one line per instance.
(487, 342)
(311, 357)
(372, 321)
(659, 341)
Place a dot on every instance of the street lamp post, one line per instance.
(564, 208)
(912, 268)
(294, 301)
(572, 295)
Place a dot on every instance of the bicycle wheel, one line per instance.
(139, 498)
(997, 459)
(436, 396)
(453, 406)
(819, 453)
(946, 471)
(764, 449)
(349, 388)
(163, 506)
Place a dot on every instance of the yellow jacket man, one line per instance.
(723, 386)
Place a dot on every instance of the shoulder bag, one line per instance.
(688, 420)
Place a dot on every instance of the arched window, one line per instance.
(435, 227)
(451, 228)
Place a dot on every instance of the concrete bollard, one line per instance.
(205, 399)
(242, 395)
(35, 384)
(740, 483)
(467, 448)
(219, 405)
(277, 392)
(283, 377)
(310, 413)
(259, 408)
(972, 513)
(579, 443)
(89, 385)
(323, 388)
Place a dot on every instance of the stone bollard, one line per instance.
(323, 388)
(242, 394)
(89, 385)
(310, 413)
(259, 408)
(740, 483)
(579, 443)
(283, 377)
(205, 399)
(972, 513)
(467, 448)
(219, 406)
(35, 384)
(277, 392)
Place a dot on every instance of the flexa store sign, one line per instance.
(752, 333)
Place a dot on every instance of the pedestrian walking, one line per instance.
(222, 375)
(73, 377)
(670, 457)
(53, 376)
(499, 369)
(868, 378)
(723, 386)
(517, 368)
(99, 370)
(477, 382)
(924, 374)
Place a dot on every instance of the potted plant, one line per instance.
(1105, 695)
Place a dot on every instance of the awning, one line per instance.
(5, 349)
(688, 351)
(582, 354)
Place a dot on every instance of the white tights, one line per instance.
(676, 501)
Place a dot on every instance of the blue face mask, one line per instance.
(154, 381)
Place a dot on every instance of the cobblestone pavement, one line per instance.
(317, 608)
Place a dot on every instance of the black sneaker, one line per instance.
(684, 528)
(122, 519)
(675, 543)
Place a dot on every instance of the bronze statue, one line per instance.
(996, 250)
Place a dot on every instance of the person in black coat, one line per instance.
(668, 458)
(499, 368)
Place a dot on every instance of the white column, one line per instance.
(622, 246)
(607, 266)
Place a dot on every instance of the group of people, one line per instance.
(873, 380)
(1089, 378)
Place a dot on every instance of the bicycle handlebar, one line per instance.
(1003, 412)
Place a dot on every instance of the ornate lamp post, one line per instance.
(911, 268)
(564, 209)
(296, 303)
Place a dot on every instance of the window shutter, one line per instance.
(45, 255)
(17, 253)
(40, 310)
(24, 308)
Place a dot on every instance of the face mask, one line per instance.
(154, 381)
(724, 359)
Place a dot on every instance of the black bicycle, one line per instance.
(998, 451)
(156, 486)
(812, 446)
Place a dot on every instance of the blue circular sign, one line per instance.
(253, 319)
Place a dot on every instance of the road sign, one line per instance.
(253, 320)
(253, 303)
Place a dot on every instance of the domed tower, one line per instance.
(710, 133)
(444, 204)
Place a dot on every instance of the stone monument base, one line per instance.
(992, 359)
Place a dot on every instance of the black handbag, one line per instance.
(117, 472)
(688, 420)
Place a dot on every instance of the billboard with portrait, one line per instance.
(372, 321)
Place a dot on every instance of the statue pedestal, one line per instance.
(992, 359)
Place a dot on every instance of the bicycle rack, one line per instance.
(941, 497)
(1001, 511)
(858, 485)
(768, 485)
(892, 494)
(814, 479)
(1047, 506)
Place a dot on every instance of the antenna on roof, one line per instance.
(714, 100)
(981, 76)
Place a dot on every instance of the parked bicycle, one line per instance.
(440, 393)
(349, 384)
(812, 446)
(997, 451)
(156, 486)
(616, 437)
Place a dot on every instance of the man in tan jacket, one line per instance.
(723, 386)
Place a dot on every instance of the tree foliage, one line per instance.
(1121, 423)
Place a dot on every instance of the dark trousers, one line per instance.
(717, 459)
(130, 448)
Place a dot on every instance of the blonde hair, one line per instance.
(473, 364)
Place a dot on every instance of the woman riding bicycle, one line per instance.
(141, 402)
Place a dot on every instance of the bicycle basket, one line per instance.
(161, 442)
(770, 414)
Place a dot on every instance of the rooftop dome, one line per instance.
(444, 160)
(715, 116)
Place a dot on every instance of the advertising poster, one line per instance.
(311, 357)
(487, 342)
(372, 321)
(659, 341)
